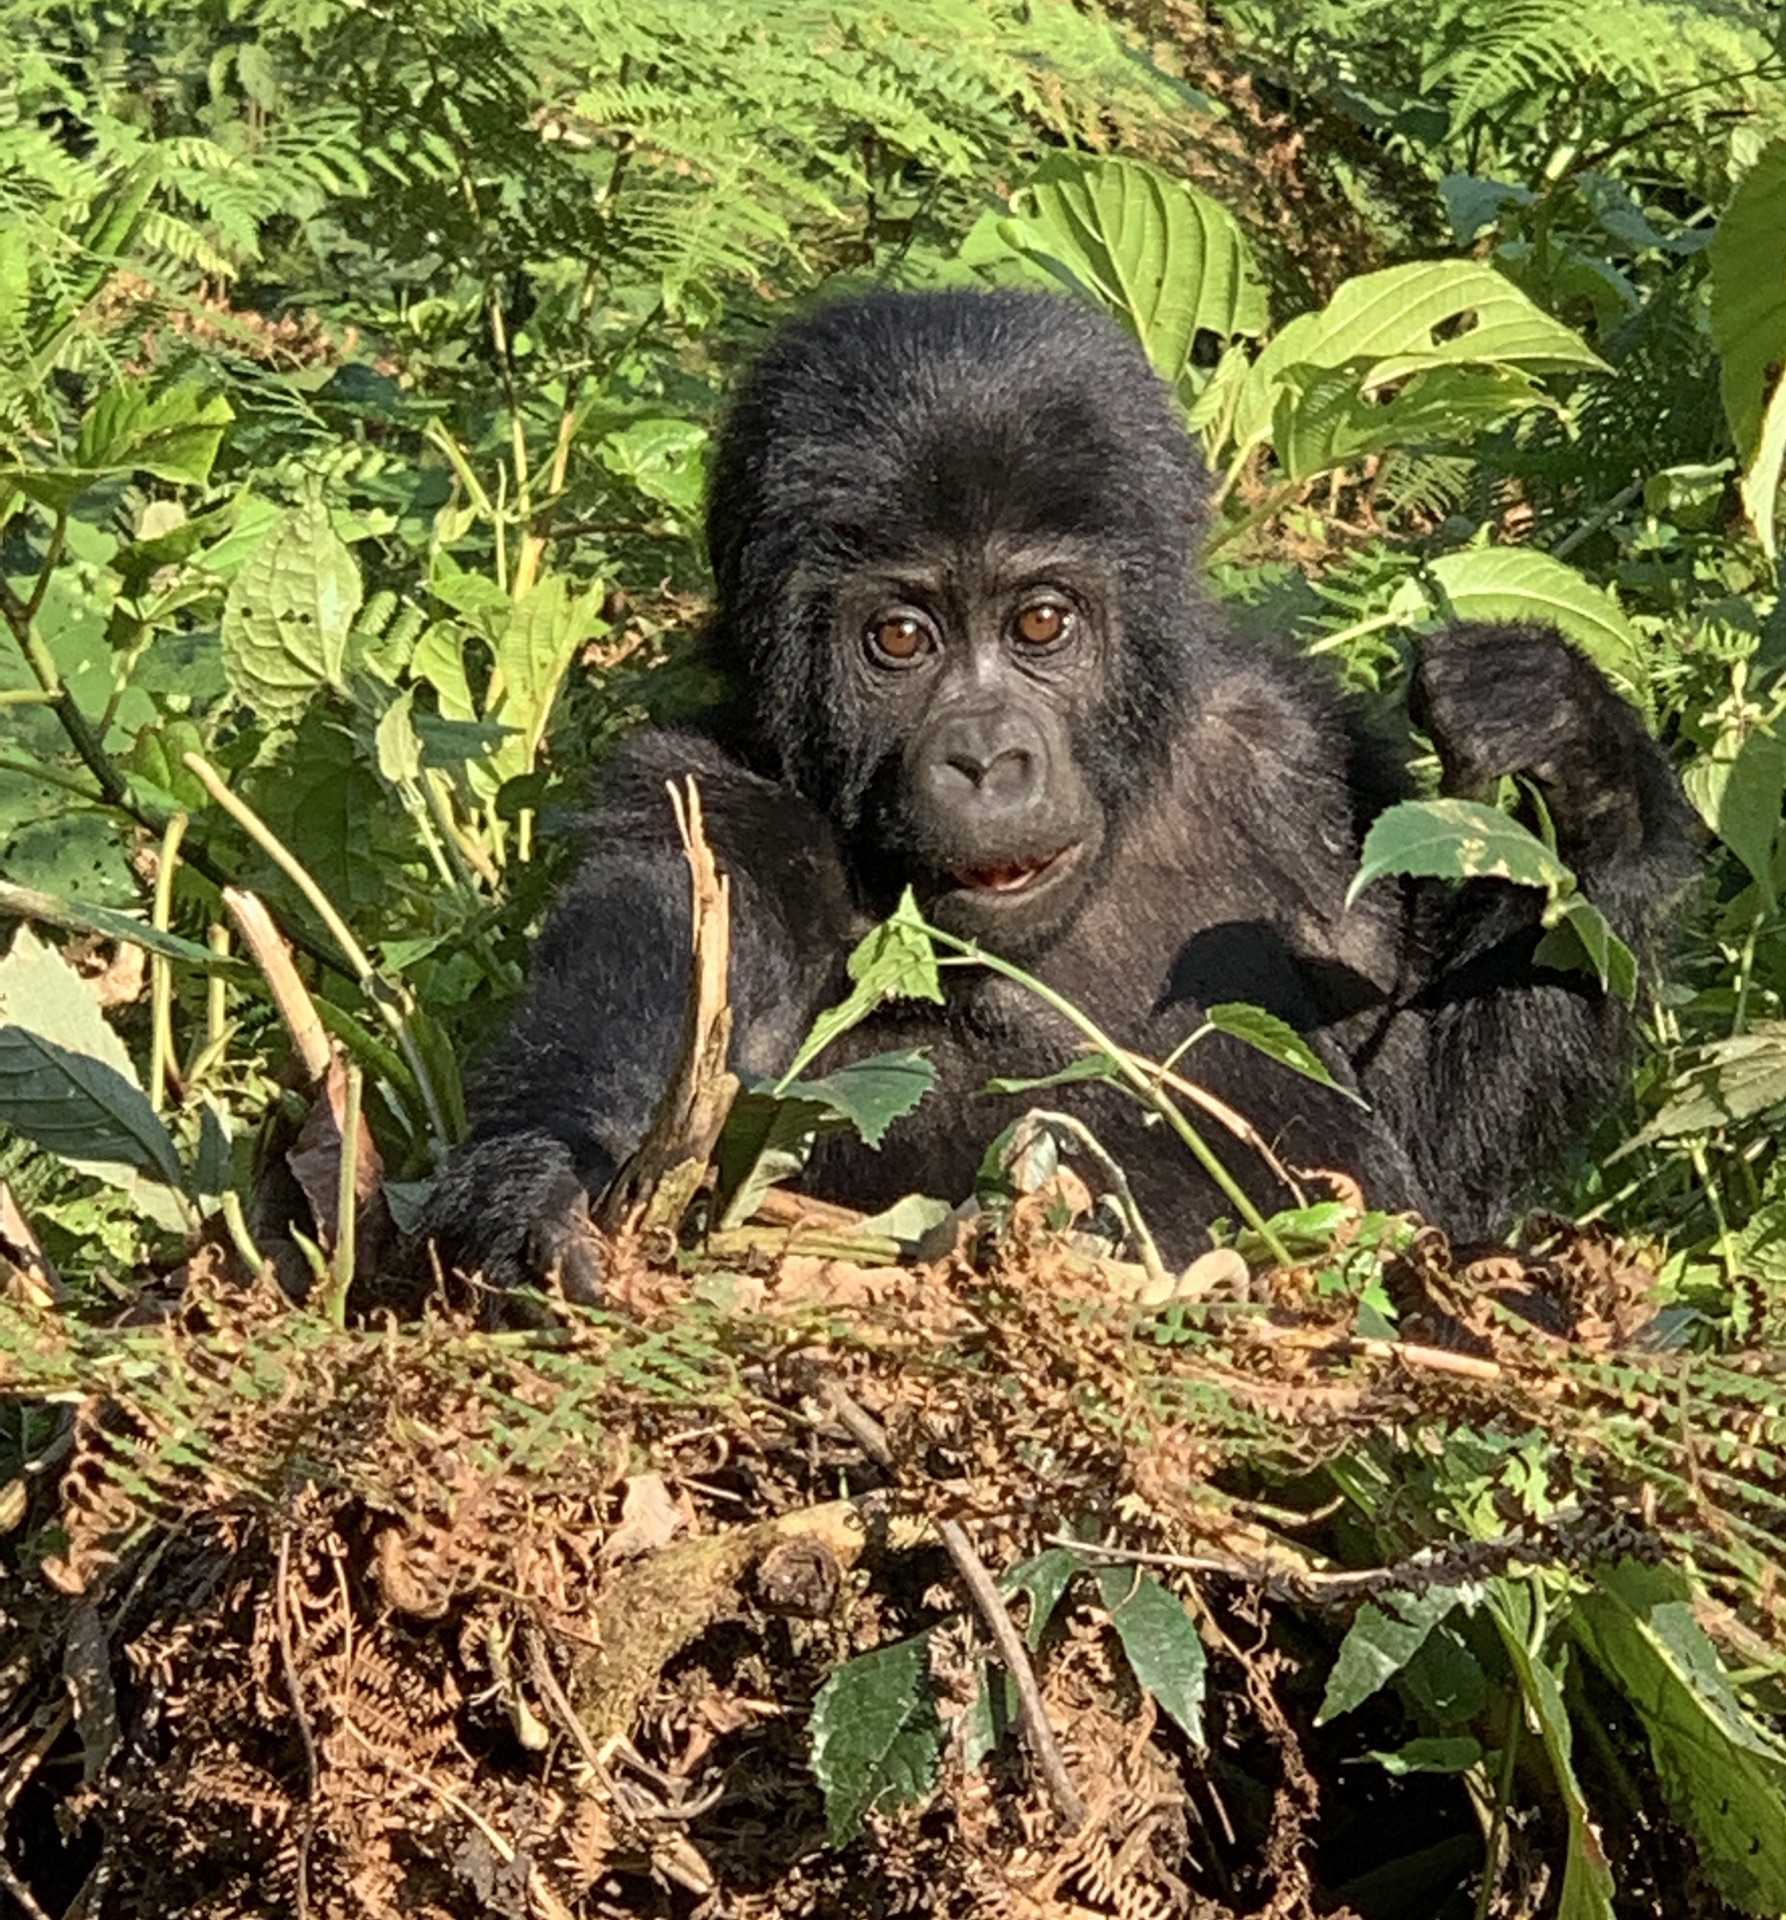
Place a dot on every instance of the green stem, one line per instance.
(391, 1001)
(161, 972)
(1151, 1095)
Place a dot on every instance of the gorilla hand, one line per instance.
(1499, 700)
(516, 1210)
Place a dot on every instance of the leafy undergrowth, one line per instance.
(645, 1611)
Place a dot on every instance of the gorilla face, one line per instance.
(951, 537)
(963, 674)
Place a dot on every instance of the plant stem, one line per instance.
(161, 972)
(391, 1000)
(1150, 1092)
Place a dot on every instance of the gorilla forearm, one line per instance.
(1489, 1064)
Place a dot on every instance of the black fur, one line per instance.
(947, 451)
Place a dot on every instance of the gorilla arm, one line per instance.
(1488, 1064)
(566, 1095)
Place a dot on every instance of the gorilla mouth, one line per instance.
(1013, 876)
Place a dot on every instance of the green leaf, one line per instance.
(876, 1737)
(536, 649)
(1168, 261)
(895, 962)
(1581, 940)
(1089, 1066)
(1385, 326)
(1520, 583)
(173, 435)
(1044, 1579)
(66, 1081)
(1328, 416)
(1452, 1754)
(1277, 1040)
(1731, 1079)
(288, 615)
(1748, 303)
(770, 1130)
(1737, 786)
(1384, 1637)
(30, 903)
(1160, 1641)
(1587, 1878)
(1761, 478)
(132, 429)
(1722, 1772)
(1456, 840)
(665, 459)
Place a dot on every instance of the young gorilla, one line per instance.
(952, 537)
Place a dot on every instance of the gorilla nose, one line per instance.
(984, 763)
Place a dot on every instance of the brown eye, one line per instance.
(1042, 624)
(900, 639)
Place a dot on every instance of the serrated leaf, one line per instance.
(534, 652)
(876, 1737)
(1522, 584)
(288, 614)
(1386, 325)
(1456, 840)
(1382, 1639)
(66, 1081)
(1277, 1040)
(1581, 940)
(1731, 1079)
(1748, 303)
(132, 429)
(769, 1130)
(1160, 1642)
(1168, 261)
(895, 962)
(1723, 1773)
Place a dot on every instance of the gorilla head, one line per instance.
(952, 542)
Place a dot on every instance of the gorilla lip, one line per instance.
(1012, 876)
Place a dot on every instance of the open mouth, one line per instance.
(1013, 876)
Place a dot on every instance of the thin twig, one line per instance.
(312, 1767)
(868, 1433)
(1040, 1735)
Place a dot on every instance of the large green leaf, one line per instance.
(1327, 416)
(1748, 307)
(1735, 1078)
(1520, 583)
(1737, 786)
(1168, 261)
(1277, 1040)
(1390, 325)
(894, 962)
(288, 615)
(1724, 1773)
(133, 429)
(1456, 840)
(66, 1081)
(876, 1737)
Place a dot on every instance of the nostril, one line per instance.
(972, 769)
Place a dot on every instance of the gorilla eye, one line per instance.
(900, 639)
(1042, 623)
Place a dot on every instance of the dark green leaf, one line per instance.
(876, 1737)
(1161, 1642)
(1277, 1040)
(1379, 1643)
